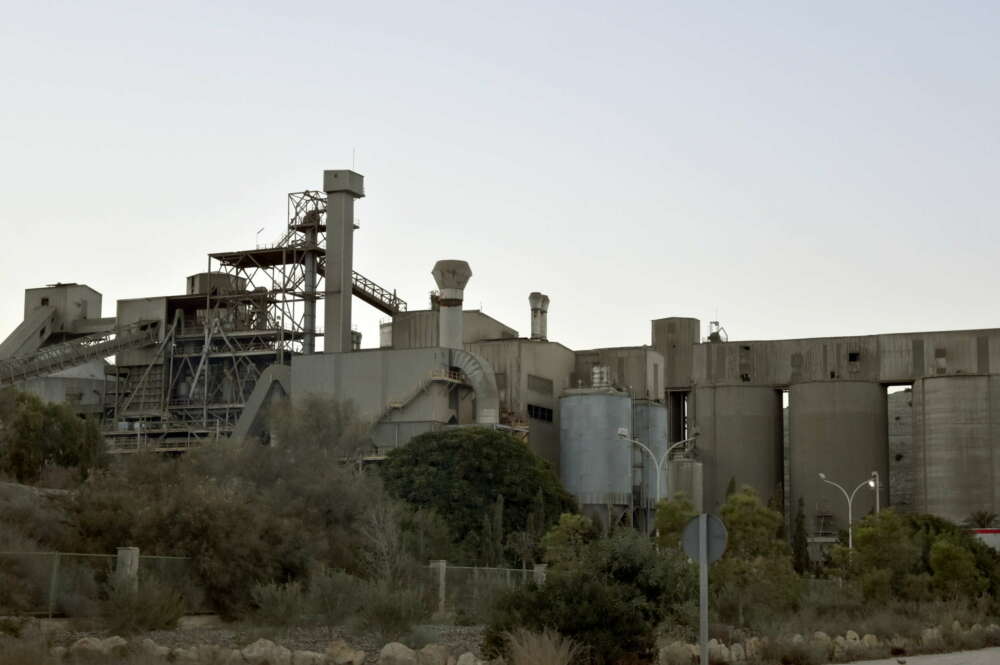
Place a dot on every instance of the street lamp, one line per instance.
(659, 464)
(871, 482)
(878, 489)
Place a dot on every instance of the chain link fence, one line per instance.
(74, 584)
(469, 592)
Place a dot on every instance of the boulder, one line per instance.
(870, 641)
(433, 654)
(87, 650)
(956, 627)
(266, 652)
(182, 655)
(150, 648)
(340, 652)
(115, 646)
(976, 628)
(674, 653)
(798, 639)
(229, 657)
(930, 636)
(841, 647)
(308, 658)
(718, 652)
(737, 653)
(395, 653)
(821, 637)
(207, 653)
(851, 636)
(58, 653)
(467, 659)
(752, 647)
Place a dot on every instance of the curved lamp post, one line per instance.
(871, 482)
(660, 465)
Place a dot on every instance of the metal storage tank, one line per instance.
(595, 465)
(838, 428)
(739, 437)
(956, 445)
(649, 425)
(685, 476)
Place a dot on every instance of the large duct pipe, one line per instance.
(539, 316)
(451, 277)
(341, 188)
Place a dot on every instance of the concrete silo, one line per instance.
(739, 437)
(840, 429)
(595, 464)
(956, 444)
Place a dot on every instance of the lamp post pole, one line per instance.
(659, 465)
(878, 490)
(871, 482)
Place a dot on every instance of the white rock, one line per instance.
(673, 653)
(266, 652)
(182, 655)
(308, 658)
(738, 653)
(798, 639)
(229, 657)
(115, 646)
(852, 636)
(395, 653)
(154, 650)
(820, 636)
(930, 636)
(870, 640)
(467, 659)
(87, 650)
(340, 652)
(433, 654)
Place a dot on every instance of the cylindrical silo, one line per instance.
(739, 438)
(595, 464)
(685, 477)
(649, 425)
(839, 429)
(956, 445)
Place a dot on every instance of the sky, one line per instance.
(792, 169)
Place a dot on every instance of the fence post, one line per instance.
(442, 566)
(54, 583)
(540, 569)
(127, 568)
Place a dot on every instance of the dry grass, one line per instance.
(545, 648)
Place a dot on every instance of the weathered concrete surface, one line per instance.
(980, 657)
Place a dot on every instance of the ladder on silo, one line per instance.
(56, 357)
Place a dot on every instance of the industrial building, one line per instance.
(174, 371)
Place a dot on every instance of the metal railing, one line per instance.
(55, 357)
(472, 590)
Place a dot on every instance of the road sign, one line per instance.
(717, 538)
(704, 539)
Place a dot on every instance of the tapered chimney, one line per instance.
(451, 277)
(539, 316)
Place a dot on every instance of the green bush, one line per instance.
(155, 606)
(334, 596)
(279, 604)
(602, 617)
(391, 612)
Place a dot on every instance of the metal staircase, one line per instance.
(380, 298)
(78, 351)
(436, 376)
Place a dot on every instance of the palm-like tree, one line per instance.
(980, 519)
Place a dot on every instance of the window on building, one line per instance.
(539, 413)
(45, 302)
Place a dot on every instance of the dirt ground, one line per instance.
(980, 657)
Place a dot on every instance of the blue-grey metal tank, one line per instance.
(595, 464)
(649, 425)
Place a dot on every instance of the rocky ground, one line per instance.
(459, 639)
(980, 657)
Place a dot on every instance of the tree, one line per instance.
(800, 540)
(460, 473)
(757, 565)
(672, 515)
(565, 544)
(953, 569)
(980, 519)
(34, 434)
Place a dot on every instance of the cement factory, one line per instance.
(911, 412)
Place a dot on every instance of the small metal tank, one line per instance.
(595, 464)
(649, 425)
(838, 428)
(956, 444)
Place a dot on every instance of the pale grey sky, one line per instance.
(798, 168)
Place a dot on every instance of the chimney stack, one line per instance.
(341, 188)
(451, 277)
(539, 316)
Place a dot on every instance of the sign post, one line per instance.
(704, 539)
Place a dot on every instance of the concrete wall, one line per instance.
(531, 373)
(419, 329)
(71, 301)
(675, 339)
(637, 369)
(889, 359)
(901, 480)
(134, 310)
